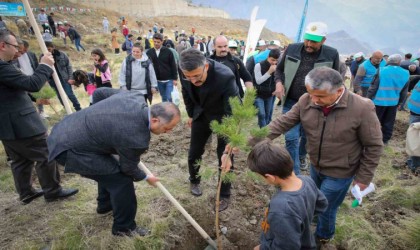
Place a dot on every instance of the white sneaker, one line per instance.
(44, 115)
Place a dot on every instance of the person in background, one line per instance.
(64, 70)
(74, 36)
(101, 69)
(114, 41)
(105, 25)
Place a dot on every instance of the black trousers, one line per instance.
(386, 116)
(200, 132)
(115, 191)
(27, 152)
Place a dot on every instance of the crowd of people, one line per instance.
(319, 115)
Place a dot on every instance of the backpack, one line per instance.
(124, 46)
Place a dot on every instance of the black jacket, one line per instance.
(240, 71)
(18, 116)
(164, 65)
(214, 93)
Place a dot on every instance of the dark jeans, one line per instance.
(69, 92)
(386, 116)
(200, 132)
(335, 190)
(78, 45)
(294, 138)
(364, 91)
(265, 110)
(24, 153)
(165, 90)
(115, 191)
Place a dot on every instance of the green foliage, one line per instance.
(397, 196)
(241, 123)
(229, 177)
(45, 93)
(207, 173)
(254, 176)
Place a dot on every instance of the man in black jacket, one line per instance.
(165, 67)
(223, 56)
(206, 88)
(21, 128)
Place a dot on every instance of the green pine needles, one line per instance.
(45, 93)
(236, 129)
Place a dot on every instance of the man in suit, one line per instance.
(118, 123)
(165, 67)
(206, 88)
(21, 128)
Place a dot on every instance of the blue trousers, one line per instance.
(335, 190)
(77, 44)
(69, 92)
(293, 138)
(165, 89)
(265, 110)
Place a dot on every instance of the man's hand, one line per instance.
(152, 180)
(279, 92)
(154, 91)
(189, 122)
(272, 69)
(361, 185)
(175, 82)
(71, 82)
(48, 59)
(257, 247)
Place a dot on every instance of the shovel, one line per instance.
(212, 244)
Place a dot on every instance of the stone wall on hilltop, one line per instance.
(150, 8)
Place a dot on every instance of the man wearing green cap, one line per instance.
(297, 61)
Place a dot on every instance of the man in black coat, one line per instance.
(165, 67)
(118, 123)
(206, 88)
(21, 128)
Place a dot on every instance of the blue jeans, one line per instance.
(165, 89)
(413, 162)
(335, 190)
(77, 44)
(69, 92)
(292, 138)
(265, 110)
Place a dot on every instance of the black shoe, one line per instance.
(64, 193)
(131, 233)
(224, 204)
(103, 210)
(29, 198)
(195, 189)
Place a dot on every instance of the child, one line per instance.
(101, 70)
(88, 81)
(287, 222)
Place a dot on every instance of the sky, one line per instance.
(380, 23)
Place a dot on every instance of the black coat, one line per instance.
(18, 116)
(214, 95)
(164, 65)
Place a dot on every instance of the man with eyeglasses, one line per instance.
(206, 88)
(22, 131)
(297, 60)
(367, 73)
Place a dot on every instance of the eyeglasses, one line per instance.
(187, 78)
(16, 46)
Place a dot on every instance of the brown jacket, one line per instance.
(346, 143)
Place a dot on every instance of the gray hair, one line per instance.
(324, 78)
(165, 110)
(4, 35)
(395, 59)
(191, 59)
